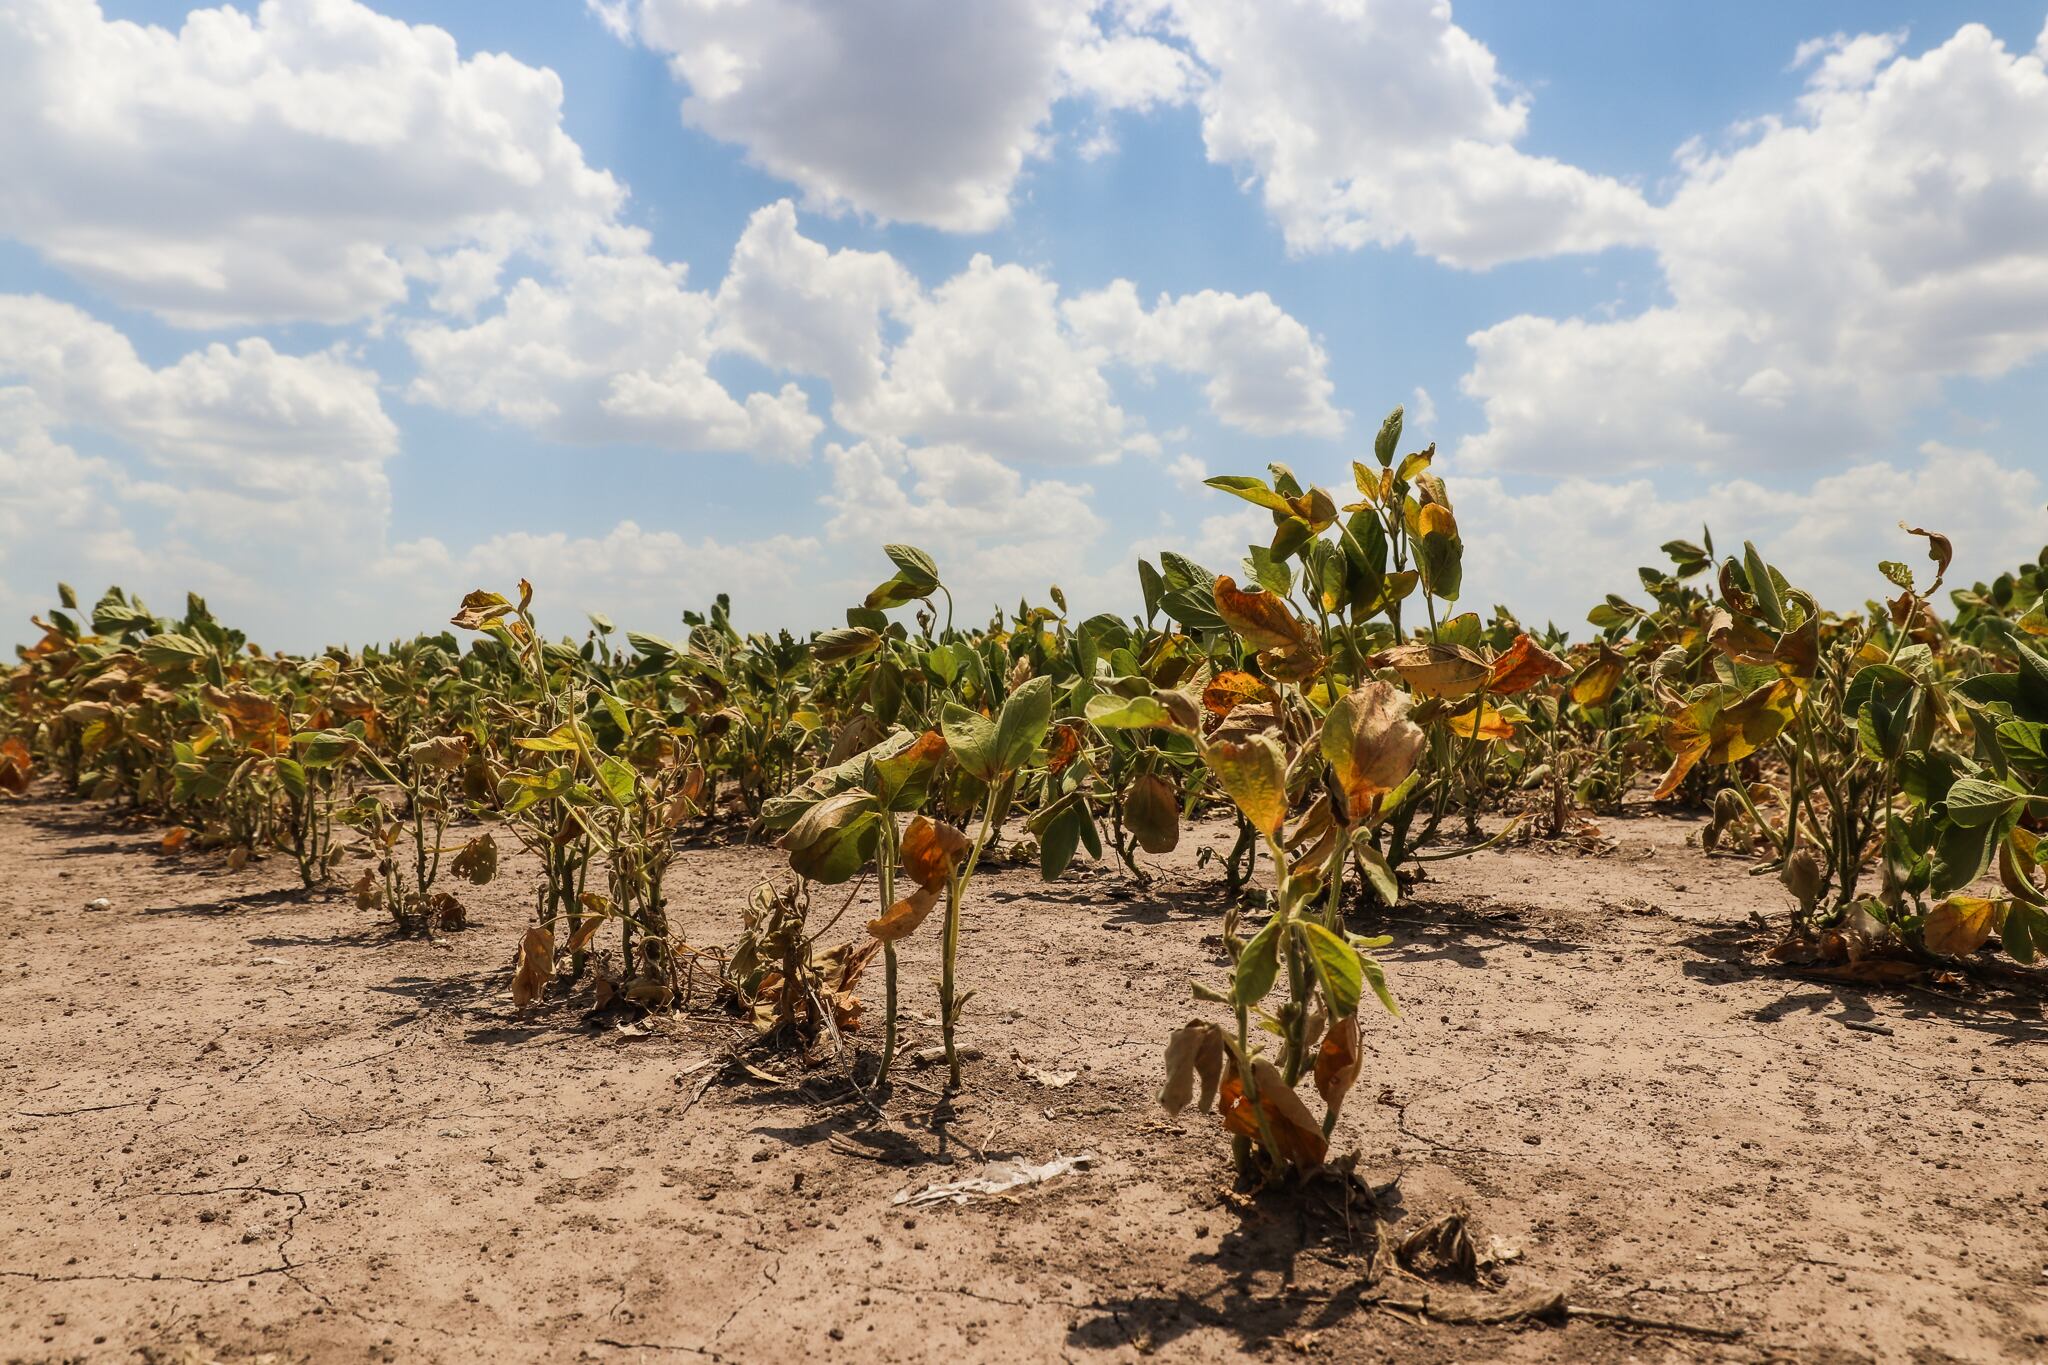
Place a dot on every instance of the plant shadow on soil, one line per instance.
(2011, 1013)
(1274, 1231)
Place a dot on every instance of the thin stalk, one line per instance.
(956, 890)
(887, 860)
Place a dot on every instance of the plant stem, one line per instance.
(956, 889)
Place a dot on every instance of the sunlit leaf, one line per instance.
(1254, 774)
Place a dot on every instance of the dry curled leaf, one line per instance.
(900, 920)
(1371, 743)
(1234, 687)
(1447, 671)
(932, 850)
(1194, 1050)
(1522, 666)
(1295, 1131)
(477, 861)
(1337, 1062)
(1259, 617)
(535, 966)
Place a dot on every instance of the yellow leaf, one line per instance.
(1254, 773)
(1960, 925)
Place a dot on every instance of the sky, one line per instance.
(332, 311)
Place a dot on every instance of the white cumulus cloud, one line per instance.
(313, 160)
(1826, 275)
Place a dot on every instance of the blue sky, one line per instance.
(331, 312)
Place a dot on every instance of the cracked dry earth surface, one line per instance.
(242, 1123)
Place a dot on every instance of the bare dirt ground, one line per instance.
(241, 1122)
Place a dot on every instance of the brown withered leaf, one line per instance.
(442, 754)
(1337, 1062)
(1938, 549)
(1371, 743)
(476, 861)
(238, 859)
(479, 609)
(1062, 746)
(535, 966)
(1152, 813)
(585, 932)
(1523, 665)
(1261, 619)
(1447, 671)
(16, 766)
(1234, 687)
(1741, 640)
(1294, 663)
(446, 911)
(900, 920)
(369, 893)
(932, 849)
(1193, 1051)
(176, 839)
(1295, 1130)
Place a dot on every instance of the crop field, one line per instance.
(1305, 964)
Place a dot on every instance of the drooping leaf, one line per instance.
(835, 838)
(1960, 925)
(1523, 666)
(1151, 812)
(1260, 619)
(1021, 726)
(1337, 966)
(1254, 774)
(1431, 670)
(1257, 965)
(1371, 744)
(900, 920)
(535, 966)
(1194, 1052)
(1295, 1131)
(932, 852)
(972, 739)
(1338, 1060)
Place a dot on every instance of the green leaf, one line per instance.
(1152, 586)
(173, 652)
(1761, 586)
(1376, 975)
(1337, 966)
(1021, 726)
(1972, 801)
(1109, 712)
(913, 563)
(618, 779)
(835, 838)
(1257, 966)
(1378, 873)
(291, 775)
(1390, 437)
(972, 738)
(324, 748)
(1962, 853)
(1058, 840)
